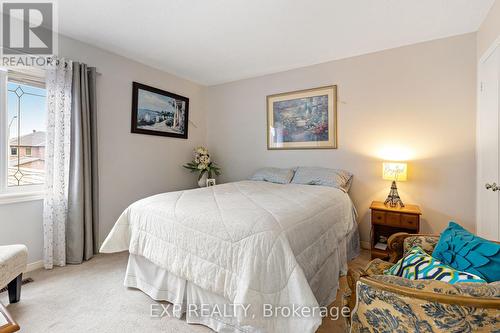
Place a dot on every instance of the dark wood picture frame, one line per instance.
(135, 104)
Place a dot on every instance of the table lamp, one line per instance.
(394, 171)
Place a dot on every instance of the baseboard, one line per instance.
(34, 266)
(365, 245)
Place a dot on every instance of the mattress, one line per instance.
(251, 243)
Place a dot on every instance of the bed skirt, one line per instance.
(161, 285)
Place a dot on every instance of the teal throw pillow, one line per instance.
(467, 252)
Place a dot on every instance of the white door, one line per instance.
(488, 148)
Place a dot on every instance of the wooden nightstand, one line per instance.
(388, 220)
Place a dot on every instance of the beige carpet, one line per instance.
(91, 298)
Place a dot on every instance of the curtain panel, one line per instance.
(70, 219)
(82, 225)
(57, 154)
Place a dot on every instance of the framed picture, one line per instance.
(305, 119)
(159, 112)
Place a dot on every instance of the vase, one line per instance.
(203, 180)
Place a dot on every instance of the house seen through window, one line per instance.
(26, 121)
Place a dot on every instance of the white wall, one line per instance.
(131, 166)
(21, 223)
(419, 99)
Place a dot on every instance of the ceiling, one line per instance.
(217, 41)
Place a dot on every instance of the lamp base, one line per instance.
(393, 198)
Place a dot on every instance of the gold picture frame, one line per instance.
(303, 119)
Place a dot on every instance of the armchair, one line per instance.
(13, 259)
(387, 303)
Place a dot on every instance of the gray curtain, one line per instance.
(82, 223)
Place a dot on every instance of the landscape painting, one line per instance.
(303, 119)
(159, 112)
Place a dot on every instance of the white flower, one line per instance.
(196, 158)
(201, 151)
(205, 159)
(202, 166)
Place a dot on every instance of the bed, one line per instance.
(249, 247)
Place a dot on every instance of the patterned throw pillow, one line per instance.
(467, 252)
(418, 265)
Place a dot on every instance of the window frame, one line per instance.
(14, 149)
(26, 149)
(11, 194)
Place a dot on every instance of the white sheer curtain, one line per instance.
(57, 159)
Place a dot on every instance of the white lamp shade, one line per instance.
(395, 171)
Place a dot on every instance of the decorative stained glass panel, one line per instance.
(26, 116)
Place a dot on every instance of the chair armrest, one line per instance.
(377, 267)
(374, 267)
(396, 244)
(474, 294)
(431, 305)
(353, 276)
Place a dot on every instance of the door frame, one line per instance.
(489, 51)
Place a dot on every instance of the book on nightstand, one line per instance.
(380, 246)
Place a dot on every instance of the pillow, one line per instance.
(418, 265)
(465, 251)
(323, 176)
(273, 175)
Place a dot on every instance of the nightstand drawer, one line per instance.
(378, 217)
(393, 219)
(387, 221)
(409, 221)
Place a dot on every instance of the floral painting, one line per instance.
(302, 119)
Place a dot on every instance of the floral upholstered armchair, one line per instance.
(384, 303)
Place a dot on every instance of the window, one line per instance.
(23, 116)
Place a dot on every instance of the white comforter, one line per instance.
(252, 242)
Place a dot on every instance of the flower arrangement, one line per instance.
(202, 164)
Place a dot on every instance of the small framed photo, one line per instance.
(211, 182)
(159, 112)
(305, 119)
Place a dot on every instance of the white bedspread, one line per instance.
(251, 242)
